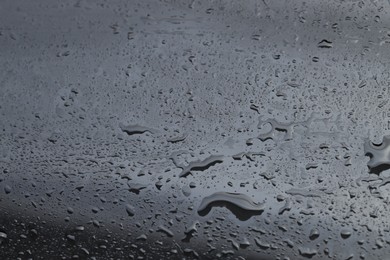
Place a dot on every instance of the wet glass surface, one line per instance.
(194, 129)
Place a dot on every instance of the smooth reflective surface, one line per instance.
(194, 129)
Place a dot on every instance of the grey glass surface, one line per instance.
(194, 129)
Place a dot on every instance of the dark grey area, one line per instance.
(145, 129)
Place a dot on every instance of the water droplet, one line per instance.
(7, 189)
(325, 44)
(201, 164)
(130, 210)
(345, 233)
(314, 234)
(240, 205)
